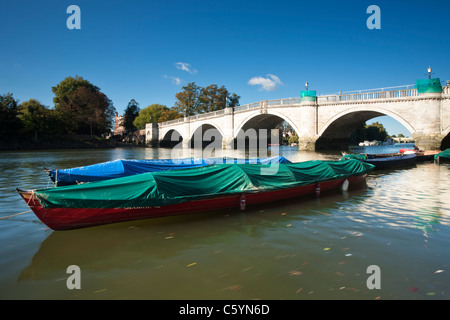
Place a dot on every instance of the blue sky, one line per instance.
(147, 50)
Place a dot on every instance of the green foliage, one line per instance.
(131, 112)
(87, 110)
(195, 99)
(67, 86)
(151, 114)
(188, 100)
(39, 121)
(293, 138)
(212, 98)
(9, 121)
(35, 118)
(376, 131)
(169, 114)
(363, 132)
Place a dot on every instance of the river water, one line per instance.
(309, 248)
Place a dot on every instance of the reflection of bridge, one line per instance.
(323, 121)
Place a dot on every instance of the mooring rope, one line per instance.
(17, 214)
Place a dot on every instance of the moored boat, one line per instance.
(422, 156)
(166, 193)
(443, 156)
(384, 161)
(123, 168)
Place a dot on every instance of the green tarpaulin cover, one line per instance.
(354, 156)
(443, 154)
(172, 187)
(429, 85)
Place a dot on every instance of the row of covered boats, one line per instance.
(404, 157)
(124, 190)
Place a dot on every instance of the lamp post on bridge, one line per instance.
(429, 72)
(306, 85)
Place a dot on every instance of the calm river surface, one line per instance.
(310, 248)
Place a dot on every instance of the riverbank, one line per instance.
(91, 143)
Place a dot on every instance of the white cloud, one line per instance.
(269, 83)
(175, 80)
(185, 67)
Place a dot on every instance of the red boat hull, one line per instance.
(73, 218)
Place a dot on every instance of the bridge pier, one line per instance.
(307, 126)
(427, 141)
(427, 118)
(227, 143)
(307, 144)
(152, 134)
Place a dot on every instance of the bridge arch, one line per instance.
(171, 138)
(445, 143)
(247, 132)
(339, 127)
(208, 134)
(260, 120)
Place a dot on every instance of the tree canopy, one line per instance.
(155, 113)
(67, 86)
(195, 99)
(90, 111)
(9, 122)
(35, 117)
(374, 131)
(131, 112)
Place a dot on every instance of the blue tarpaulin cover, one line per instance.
(177, 186)
(122, 168)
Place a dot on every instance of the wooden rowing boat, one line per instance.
(385, 161)
(160, 194)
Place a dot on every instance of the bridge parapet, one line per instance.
(446, 90)
(268, 103)
(171, 122)
(364, 96)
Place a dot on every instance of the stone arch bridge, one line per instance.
(324, 122)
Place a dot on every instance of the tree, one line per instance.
(85, 107)
(376, 131)
(195, 99)
(212, 98)
(34, 117)
(293, 138)
(169, 114)
(233, 100)
(67, 86)
(358, 135)
(188, 100)
(131, 112)
(9, 121)
(151, 114)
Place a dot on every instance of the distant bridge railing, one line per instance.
(369, 95)
(279, 103)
